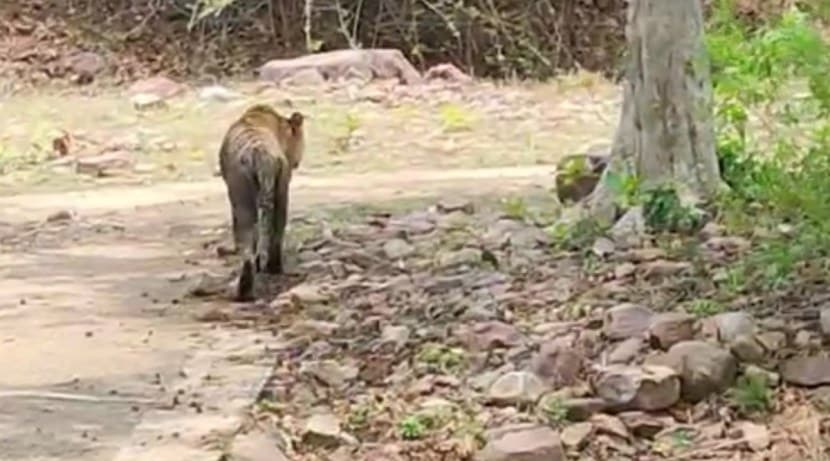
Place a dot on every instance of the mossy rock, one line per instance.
(577, 175)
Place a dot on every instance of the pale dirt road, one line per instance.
(94, 343)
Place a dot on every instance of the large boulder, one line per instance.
(333, 65)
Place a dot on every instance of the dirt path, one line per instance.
(96, 345)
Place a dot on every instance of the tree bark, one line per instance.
(665, 132)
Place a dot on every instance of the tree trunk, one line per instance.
(665, 132)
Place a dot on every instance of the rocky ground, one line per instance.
(467, 331)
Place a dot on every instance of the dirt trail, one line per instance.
(95, 343)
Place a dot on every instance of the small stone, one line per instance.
(466, 256)
(665, 268)
(603, 247)
(806, 371)
(106, 164)
(703, 368)
(576, 435)
(314, 328)
(523, 442)
(756, 435)
(624, 270)
(643, 424)
(630, 230)
(824, 320)
(582, 408)
(146, 101)
(731, 325)
(158, 86)
(802, 339)
(645, 388)
(611, 425)
(731, 245)
(330, 372)
(62, 215)
(516, 387)
(626, 351)
(323, 430)
(397, 249)
(772, 378)
(305, 295)
(453, 205)
(558, 366)
(395, 334)
(488, 335)
(218, 93)
(626, 321)
(668, 329)
(711, 229)
(772, 341)
(747, 349)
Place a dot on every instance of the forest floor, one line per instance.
(429, 312)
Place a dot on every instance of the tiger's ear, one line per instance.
(296, 120)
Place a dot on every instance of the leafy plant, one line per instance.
(442, 358)
(455, 118)
(413, 427)
(751, 394)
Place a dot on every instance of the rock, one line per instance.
(611, 425)
(218, 93)
(523, 442)
(207, 284)
(577, 176)
(576, 435)
(558, 366)
(711, 229)
(802, 339)
(603, 247)
(60, 215)
(465, 256)
(374, 63)
(772, 341)
(642, 424)
(397, 249)
(447, 72)
(756, 435)
(314, 328)
(256, 446)
(306, 294)
(645, 388)
(626, 321)
(670, 328)
(516, 387)
(772, 378)
(158, 86)
(323, 430)
(487, 335)
(729, 245)
(330, 372)
(806, 371)
(747, 349)
(824, 320)
(630, 230)
(582, 408)
(395, 334)
(624, 270)
(107, 164)
(305, 78)
(451, 205)
(665, 268)
(731, 325)
(85, 66)
(703, 368)
(146, 101)
(626, 351)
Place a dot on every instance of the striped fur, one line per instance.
(258, 155)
